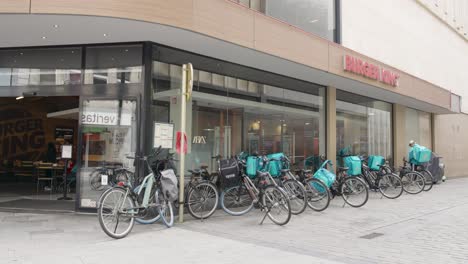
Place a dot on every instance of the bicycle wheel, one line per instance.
(236, 200)
(354, 191)
(116, 213)
(277, 205)
(202, 200)
(429, 180)
(165, 210)
(151, 214)
(318, 195)
(413, 182)
(390, 186)
(297, 196)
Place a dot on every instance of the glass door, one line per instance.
(108, 135)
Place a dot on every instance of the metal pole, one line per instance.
(187, 81)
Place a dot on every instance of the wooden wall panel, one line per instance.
(14, 6)
(175, 13)
(225, 20)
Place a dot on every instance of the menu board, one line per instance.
(163, 135)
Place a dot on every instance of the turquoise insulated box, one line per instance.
(354, 165)
(419, 154)
(327, 177)
(375, 162)
(252, 166)
(275, 166)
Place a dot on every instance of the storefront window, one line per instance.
(363, 126)
(418, 127)
(314, 16)
(108, 135)
(25, 67)
(232, 109)
(113, 64)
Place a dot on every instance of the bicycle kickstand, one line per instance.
(267, 212)
(344, 204)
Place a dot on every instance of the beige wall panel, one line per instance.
(282, 40)
(331, 125)
(175, 13)
(14, 6)
(399, 138)
(225, 20)
(431, 93)
(451, 142)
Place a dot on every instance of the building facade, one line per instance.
(301, 77)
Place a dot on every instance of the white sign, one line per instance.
(99, 118)
(104, 179)
(163, 135)
(66, 151)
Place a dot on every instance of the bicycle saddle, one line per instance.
(262, 174)
(203, 167)
(341, 169)
(307, 171)
(285, 170)
(195, 171)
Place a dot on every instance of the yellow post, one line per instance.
(187, 84)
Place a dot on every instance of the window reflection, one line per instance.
(418, 127)
(363, 126)
(61, 66)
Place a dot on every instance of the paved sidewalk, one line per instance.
(426, 228)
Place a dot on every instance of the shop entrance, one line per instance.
(32, 132)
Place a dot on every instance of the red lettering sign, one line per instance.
(371, 71)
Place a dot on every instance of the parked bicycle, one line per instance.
(318, 194)
(277, 167)
(114, 175)
(375, 171)
(413, 181)
(240, 199)
(201, 193)
(119, 206)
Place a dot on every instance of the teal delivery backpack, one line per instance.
(375, 162)
(354, 165)
(419, 155)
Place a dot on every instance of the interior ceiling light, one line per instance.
(105, 35)
(26, 94)
(44, 37)
(56, 26)
(313, 21)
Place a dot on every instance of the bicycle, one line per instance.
(318, 194)
(239, 200)
(388, 184)
(413, 181)
(121, 204)
(115, 174)
(201, 192)
(352, 189)
(295, 191)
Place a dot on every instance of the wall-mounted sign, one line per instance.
(199, 140)
(67, 151)
(163, 135)
(371, 71)
(99, 118)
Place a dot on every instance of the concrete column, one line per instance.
(331, 124)
(399, 139)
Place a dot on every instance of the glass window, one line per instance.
(363, 126)
(418, 127)
(108, 135)
(23, 67)
(113, 64)
(233, 109)
(314, 16)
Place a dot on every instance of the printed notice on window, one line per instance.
(163, 135)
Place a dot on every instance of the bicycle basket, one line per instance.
(375, 162)
(169, 185)
(275, 166)
(354, 165)
(253, 165)
(326, 176)
(229, 173)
